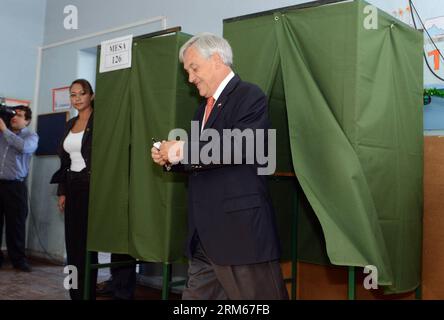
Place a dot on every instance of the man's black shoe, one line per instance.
(104, 289)
(25, 267)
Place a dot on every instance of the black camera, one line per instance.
(6, 113)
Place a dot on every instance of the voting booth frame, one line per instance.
(333, 121)
(346, 100)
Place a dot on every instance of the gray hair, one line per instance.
(207, 44)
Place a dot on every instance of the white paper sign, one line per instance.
(116, 54)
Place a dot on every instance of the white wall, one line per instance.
(21, 32)
(192, 15)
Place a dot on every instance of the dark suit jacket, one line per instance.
(60, 176)
(229, 205)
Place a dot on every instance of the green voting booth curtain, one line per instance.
(135, 207)
(353, 100)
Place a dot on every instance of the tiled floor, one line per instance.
(45, 282)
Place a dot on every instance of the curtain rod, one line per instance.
(298, 6)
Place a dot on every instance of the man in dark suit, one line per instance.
(232, 243)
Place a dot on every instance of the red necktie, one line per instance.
(208, 108)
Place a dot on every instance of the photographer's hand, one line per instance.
(2, 125)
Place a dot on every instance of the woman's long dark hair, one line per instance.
(86, 86)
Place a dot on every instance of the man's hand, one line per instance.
(2, 125)
(157, 158)
(172, 151)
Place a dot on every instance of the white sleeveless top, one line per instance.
(73, 145)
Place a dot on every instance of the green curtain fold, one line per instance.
(353, 110)
(135, 207)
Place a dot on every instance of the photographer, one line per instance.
(17, 144)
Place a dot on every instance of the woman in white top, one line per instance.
(73, 182)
